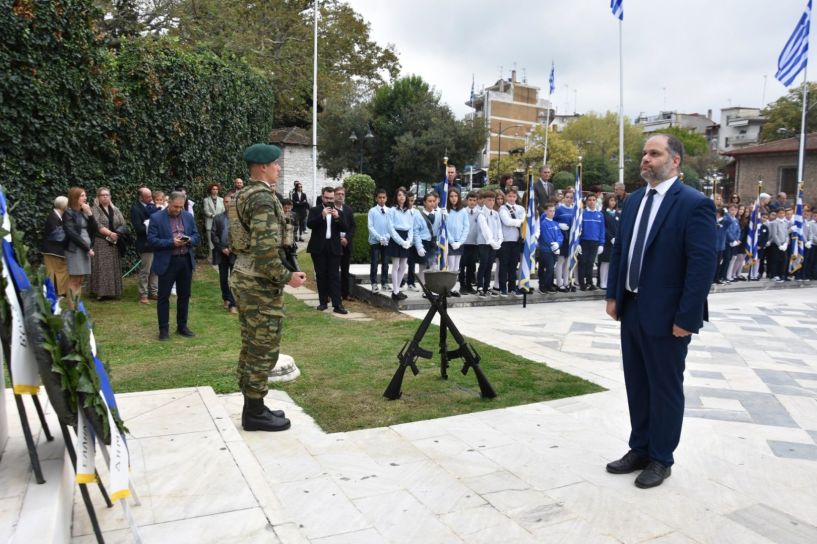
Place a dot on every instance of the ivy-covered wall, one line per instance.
(150, 113)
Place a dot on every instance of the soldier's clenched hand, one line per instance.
(297, 279)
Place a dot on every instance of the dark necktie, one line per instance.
(640, 239)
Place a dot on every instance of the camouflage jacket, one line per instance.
(257, 231)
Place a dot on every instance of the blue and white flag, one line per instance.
(797, 242)
(751, 234)
(442, 239)
(552, 78)
(617, 6)
(794, 57)
(576, 228)
(528, 230)
(25, 375)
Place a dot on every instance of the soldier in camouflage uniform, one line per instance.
(257, 231)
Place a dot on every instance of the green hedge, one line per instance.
(360, 243)
(151, 113)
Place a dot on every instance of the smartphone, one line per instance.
(184, 238)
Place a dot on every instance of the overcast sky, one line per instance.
(683, 55)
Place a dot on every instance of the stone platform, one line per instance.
(745, 471)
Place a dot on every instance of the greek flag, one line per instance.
(751, 234)
(442, 239)
(794, 57)
(576, 228)
(617, 6)
(473, 96)
(797, 243)
(552, 78)
(529, 249)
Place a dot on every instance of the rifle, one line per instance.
(408, 356)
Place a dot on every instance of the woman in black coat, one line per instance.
(80, 227)
(611, 221)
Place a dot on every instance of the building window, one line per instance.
(788, 180)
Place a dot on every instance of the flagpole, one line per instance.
(800, 159)
(620, 102)
(315, 103)
(547, 130)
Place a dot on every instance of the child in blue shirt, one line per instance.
(591, 242)
(458, 227)
(379, 236)
(550, 239)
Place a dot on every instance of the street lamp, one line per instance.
(354, 139)
(499, 142)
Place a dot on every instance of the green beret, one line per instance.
(262, 153)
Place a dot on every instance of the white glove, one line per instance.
(554, 246)
(601, 250)
(769, 243)
(444, 212)
(784, 247)
(564, 226)
(808, 244)
(496, 246)
(613, 241)
(406, 245)
(421, 252)
(455, 245)
(736, 243)
(578, 250)
(555, 251)
(384, 241)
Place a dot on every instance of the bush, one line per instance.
(360, 190)
(563, 180)
(151, 113)
(360, 243)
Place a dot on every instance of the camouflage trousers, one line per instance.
(260, 312)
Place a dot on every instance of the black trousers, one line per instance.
(810, 263)
(379, 255)
(487, 255)
(468, 265)
(300, 216)
(327, 275)
(547, 260)
(225, 268)
(508, 262)
(654, 379)
(777, 262)
(345, 261)
(590, 249)
(180, 272)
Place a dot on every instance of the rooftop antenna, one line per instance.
(524, 75)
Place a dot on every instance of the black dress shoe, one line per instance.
(340, 310)
(184, 331)
(163, 335)
(631, 462)
(653, 476)
(454, 293)
(321, 307)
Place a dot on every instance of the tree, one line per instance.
(412, 133)
(596, 136)
(784, 115)
(276, 36)
(695, 144)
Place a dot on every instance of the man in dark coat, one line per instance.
(222, 256)
(140, 212)
(660, 274)
(346, 239)
(326, 224)
(173, 235)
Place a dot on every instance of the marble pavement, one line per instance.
(746, 469)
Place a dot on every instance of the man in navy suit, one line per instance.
(172, 234)
(140, 212)
(660, 274)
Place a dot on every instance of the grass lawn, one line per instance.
(345, 365)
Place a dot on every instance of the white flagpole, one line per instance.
(547, 130)
(800, 159)
(620, 103)
(315, 105)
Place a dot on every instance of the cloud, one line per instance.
(683, 55)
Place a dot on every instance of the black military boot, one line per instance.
(276, 413)
(256, 417)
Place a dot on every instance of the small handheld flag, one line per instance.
(797, 241)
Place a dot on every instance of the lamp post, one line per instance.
(499, 142)
(354, 139)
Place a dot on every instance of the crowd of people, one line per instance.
(485, 240)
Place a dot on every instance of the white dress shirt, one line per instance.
(661, 190)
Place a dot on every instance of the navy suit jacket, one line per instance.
(160, 238)
(678, 263)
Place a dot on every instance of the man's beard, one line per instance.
(659, 173)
